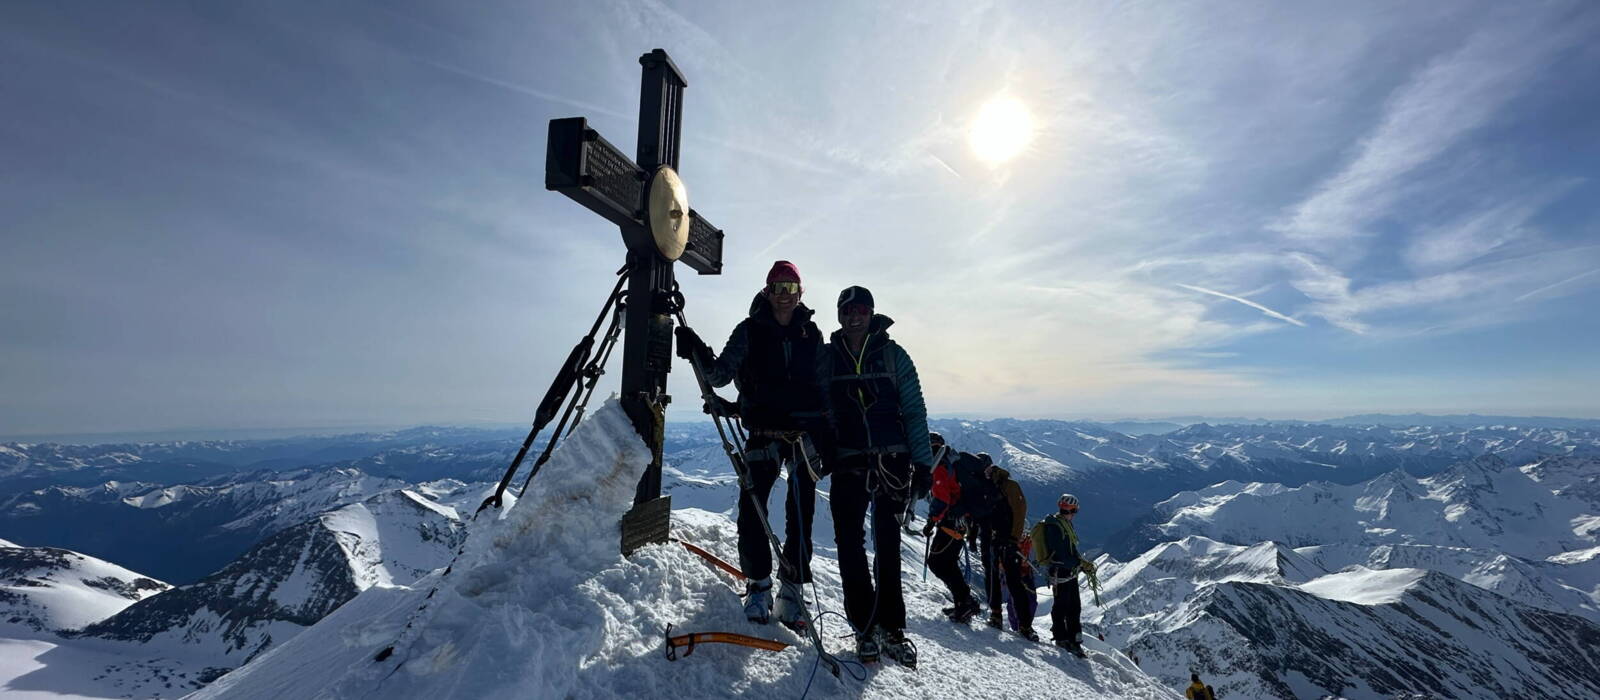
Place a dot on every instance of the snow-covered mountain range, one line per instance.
(1270, 621)
(1483, 503)
(1480, 580)
(296, 577)
(28, 465)
(172, 640)
(1526, 532)
(1118, 476)
(1353, 530)
(180, 532)
(44, 590)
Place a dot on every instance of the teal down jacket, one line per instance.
(835, 370)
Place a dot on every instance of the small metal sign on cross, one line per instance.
(646, 199)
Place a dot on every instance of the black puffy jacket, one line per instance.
(774, 367)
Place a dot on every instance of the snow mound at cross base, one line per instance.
(542, 605)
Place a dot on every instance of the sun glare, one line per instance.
(1002, 130)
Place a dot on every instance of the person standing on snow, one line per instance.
(882, 458)
(1001, 535)
(1055, 540)
(949, 527)
(771, 356)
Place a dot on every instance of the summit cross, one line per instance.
(645, 199)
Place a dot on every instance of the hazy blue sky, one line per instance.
(325, 214)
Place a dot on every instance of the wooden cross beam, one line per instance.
(646, 200)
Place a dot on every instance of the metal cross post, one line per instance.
(645, 198)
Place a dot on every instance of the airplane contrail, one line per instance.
(1246, 302)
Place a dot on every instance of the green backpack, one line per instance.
(1041, 541)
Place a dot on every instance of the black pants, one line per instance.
(755, 552)
(1064, 612)
(944, 560)
(1001, 556)
(858, 483)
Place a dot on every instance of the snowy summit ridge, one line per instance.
(541, 602)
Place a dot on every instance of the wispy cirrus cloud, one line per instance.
(1451, 97)
(1332, 235)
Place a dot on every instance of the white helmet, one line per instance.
(1066, 500)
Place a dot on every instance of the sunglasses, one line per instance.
(850, 309)
(1070, 510)
(784, 288)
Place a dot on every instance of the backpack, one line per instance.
(1041, 540)
(1039, 543)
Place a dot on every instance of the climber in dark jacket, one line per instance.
(1001, 536)
(956, 485)
(882, 457)
(771, 357)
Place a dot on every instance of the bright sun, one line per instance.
(1001, 131)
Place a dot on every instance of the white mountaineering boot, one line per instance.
(790, 607)
(758, 600)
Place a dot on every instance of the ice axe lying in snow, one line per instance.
(689, 641)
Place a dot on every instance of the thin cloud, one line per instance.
(525, 90)
(1246, 302)
(1442, 104)
(1566, 281)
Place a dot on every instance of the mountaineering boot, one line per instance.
(867, 648)
(1029, 634)
(996, 620)
(897, 647)
(790, 608)
(1071, 645)
(758, 601)
(964, 611)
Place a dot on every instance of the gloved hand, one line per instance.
(1010, 553)
(722, 407)
(1086, 565)
(921, 481)
(927, 529)
(690, 346)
